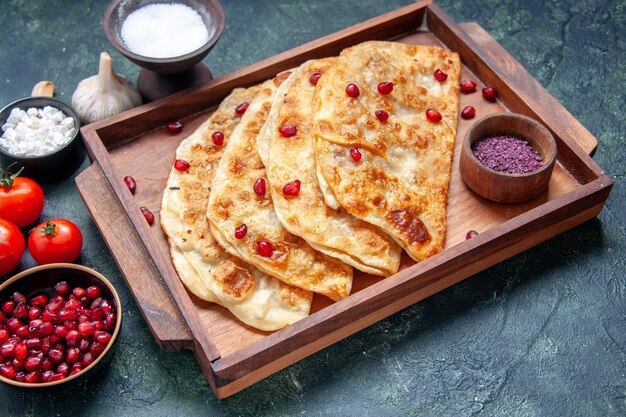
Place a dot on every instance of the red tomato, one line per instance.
(56, 240)
(11, 246)
(21, 199)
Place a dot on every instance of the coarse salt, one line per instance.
(36, 132)
(164, 30)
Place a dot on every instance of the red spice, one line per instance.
(505, 153)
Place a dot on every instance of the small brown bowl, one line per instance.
(500, 186)
(211, 12)
(41, 279)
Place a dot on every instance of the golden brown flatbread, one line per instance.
(255, 298)
(332, 232)
(401, 181)
(234, 203)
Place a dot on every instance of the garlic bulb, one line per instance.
(104, 94)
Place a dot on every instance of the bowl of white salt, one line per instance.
(42, 135)
(168, 39)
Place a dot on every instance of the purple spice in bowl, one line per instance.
(507, 153)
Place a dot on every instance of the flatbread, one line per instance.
(401, 182)
(233, 203)
(255, 298)
(332, 232)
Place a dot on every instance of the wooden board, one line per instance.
(234, 356)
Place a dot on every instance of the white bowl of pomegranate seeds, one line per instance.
(508, 158)
(58, 323)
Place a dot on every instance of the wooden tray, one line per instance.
(234, 356)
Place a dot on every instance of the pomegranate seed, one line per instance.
(181, 165)
(54, 307)
(103, 337)
(292, 188)
(131, 184)
(76, 368)
(4, 336)
(86, 328)
(490, 94)
(70, 324)
(32, 377)
(56, 377)
(264, 248)
(63, 368)
(287, 131)
(433, 115)
(20, 376)
(468, 87)
(33, 331)
(47, 365)
(73, 338)
(7, 371)
(45, 376)
(88, 358)
(84, 344)
(148, 215)
(8, 307)
(58, 299)
(56, 355)
(13, 324)
(20, 351)
(32, 364)
(99, 324)
(68, 314)
(21, 311)
(62, 288)
(34, 313)
(259, 187)
(471, 234)
(32, 343)
(385, 88)
(84, 300)
(382, 115)
(218, 138)
(175, 126)
(96, 349)
(72, 355)
(45, 345)
(22, 332)
(241, 231)
(95, 303)
(6, 350)
(38, 300)
(468, 113)
(440, 75)
(78, 292)
(3, 318)
(110, 321)
(17, 363)
(96, 314)
(353, 91)
(48, 316)
(55, 339)
(356, 154)
(72, 304)
(82, 319)
(315, 77)
(241, 109)
(18, 297)
(93, 292)
(106, 306)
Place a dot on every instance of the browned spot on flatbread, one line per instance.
(280, 78)
(234, 280)
(409, 226)
(238, 166)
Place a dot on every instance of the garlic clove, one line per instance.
(104, 94)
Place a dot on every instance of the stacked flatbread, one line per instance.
(262, 250)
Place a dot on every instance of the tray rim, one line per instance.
(222, 372)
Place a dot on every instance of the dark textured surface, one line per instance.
(543, 333)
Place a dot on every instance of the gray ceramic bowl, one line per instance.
(41, 279)
(53, 166)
